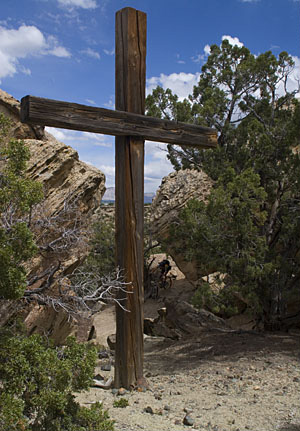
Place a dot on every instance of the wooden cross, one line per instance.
(131, 127)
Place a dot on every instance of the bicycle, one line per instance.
(166, 281)
(159, 280)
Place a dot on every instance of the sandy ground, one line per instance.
(222, 381)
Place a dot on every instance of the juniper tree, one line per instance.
(250, 228)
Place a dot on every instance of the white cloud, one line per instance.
(109, 52)
(24, 42)
(79, 139)
(180, 83)
(91, 53)
(61, 135)
(109, 172)
(111, 103)
(97, 139)
(179, 61)
(207, 49)
(156, 165)
(198, 58)
(233, 41)
(52, 47)
(25, 70)
(293, 80)
(59, 51)
(84, 4)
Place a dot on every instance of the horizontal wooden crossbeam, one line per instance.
(47, 112)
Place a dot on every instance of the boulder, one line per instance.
(186, 318)
(72, 193)
(10, 107)
(179, 319)
(173, 194)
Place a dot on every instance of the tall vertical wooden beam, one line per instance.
(130, 96)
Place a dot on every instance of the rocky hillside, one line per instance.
(173, 194)
(73, 191)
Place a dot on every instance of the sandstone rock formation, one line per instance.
(10, 107)
(73, 191)
(174, 193)
(179, 318)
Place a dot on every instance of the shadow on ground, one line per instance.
(212, 346)
(290, 427)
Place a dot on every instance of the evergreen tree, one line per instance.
(250, 228)
(18, 195)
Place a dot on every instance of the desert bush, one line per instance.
(38, 381)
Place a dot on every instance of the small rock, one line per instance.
(157, 396)
(187, 410)
(148, 409)
(111, 341)
(166, 407)
(296, 379)
(98, 377)
(114, 391)
(187, 420)
(103, 354)
(177, 422)
(122, 391)
(142, 385)
(104, 384)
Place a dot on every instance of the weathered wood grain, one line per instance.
(130, 96)
(54, 113)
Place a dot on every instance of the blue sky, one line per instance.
(64, 50)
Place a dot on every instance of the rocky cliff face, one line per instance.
(174, 193)
(73, 191)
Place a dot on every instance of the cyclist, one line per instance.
(164, 267)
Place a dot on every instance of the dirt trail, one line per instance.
(221, 381)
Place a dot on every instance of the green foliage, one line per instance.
(250, 229)
(217, 300)
(121, 403)
(102, 248)
(37, 379)
(224, 235)
(37, 385)
(165, 104)
(18, 195)
(93, 419)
